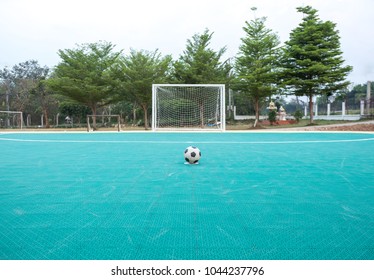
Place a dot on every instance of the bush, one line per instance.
(298, 115)
(272, 115)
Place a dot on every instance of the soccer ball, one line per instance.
(192, 155)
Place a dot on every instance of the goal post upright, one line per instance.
(188, 107)
(223, 107)
(154, 112)
(20, 113)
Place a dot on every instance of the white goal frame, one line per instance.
(15, 113)
(214, 120)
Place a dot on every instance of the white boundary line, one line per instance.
(186, 142)
(267, 131)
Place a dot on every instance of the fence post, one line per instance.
(368, 97)
(362, 107)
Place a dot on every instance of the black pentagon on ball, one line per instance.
(193, 154)
(187, 159)
(186, 150)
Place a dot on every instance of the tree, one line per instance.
(86, 75)
(359, 92)
(74, 110)
(313, 60)
(141, 69)
(200, 64)
(256, 65)
(44, 100)
(20, 83)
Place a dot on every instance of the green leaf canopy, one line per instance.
(313, 62)
(139, 70)
(257, 64)
(200, 64)
(85, 75)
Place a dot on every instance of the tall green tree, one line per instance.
(44, 101)
(86, 75)
(257, 63)
(199, 64)
(313, 60)
(141, 69)
(21, 84)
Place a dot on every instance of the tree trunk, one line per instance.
(46, 118)
(145, 109)
(93, 108)
(134, 115)
(257, 109)
(311, 108)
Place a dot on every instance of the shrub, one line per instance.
(298, 115)
(272, 115)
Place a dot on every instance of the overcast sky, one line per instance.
(37, 29)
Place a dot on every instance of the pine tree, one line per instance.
(200, 64)
(257, 63)
(141, 69)
(313, 60)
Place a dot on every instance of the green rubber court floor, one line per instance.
(130, 196)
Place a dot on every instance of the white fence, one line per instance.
(343, 116)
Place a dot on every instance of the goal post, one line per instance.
(103, 121)
(11, 119)
(188, 107)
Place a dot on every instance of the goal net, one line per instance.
(105, 122)
(188, 107)
(11, 119)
